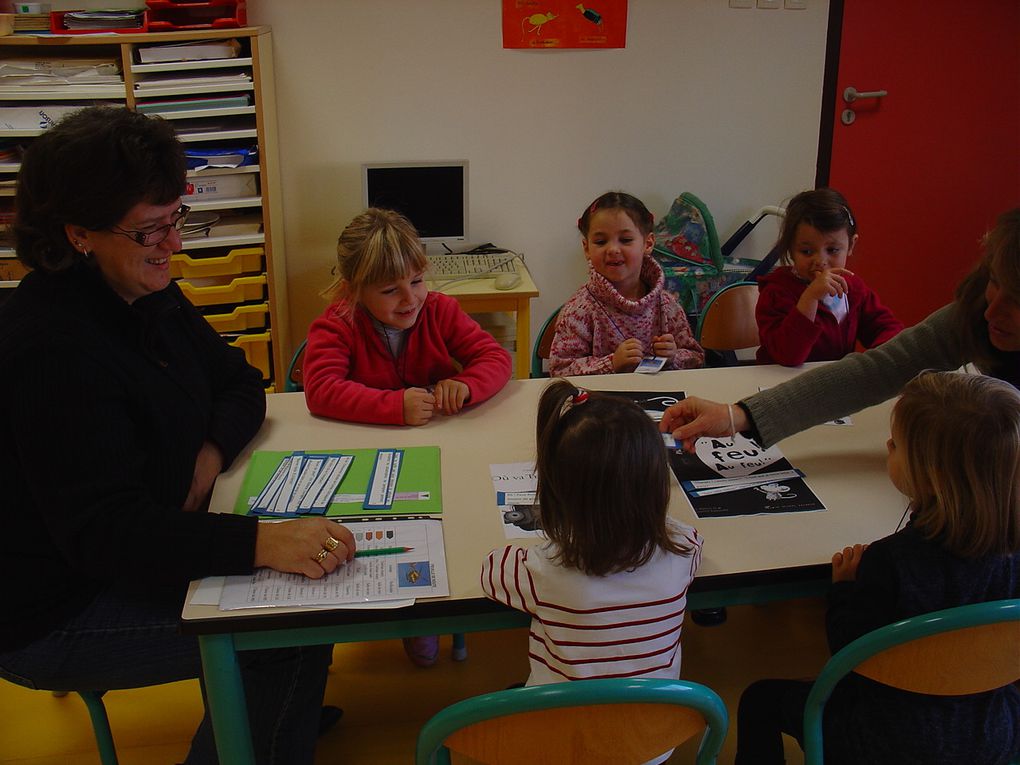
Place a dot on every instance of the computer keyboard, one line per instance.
(459, 266)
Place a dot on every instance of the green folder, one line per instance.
(419, 472)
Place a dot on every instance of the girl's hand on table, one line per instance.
(451, 395)
(664, 345)
(419, 406)
(310, 546)
(628, 355)
(845, 563)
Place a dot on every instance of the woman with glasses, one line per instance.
(119, 406)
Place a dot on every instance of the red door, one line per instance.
(928, 167)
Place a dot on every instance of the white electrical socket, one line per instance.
(795, 5)
(770, 3)
(741, 3)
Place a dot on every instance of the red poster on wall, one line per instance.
(564, 24)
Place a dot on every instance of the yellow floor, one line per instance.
(386, 699)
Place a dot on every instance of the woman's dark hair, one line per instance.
(1002, 257)
(824, 209)
(603, 480)
(618, 200)
(89, 170)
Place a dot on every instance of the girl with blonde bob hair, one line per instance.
(955, 453)
(389, 352)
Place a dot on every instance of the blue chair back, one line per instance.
(585, 721)
(957, 651)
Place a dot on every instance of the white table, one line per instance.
(745, 559)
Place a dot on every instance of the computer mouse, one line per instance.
(507, 281)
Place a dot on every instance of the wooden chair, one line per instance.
(958, 651)
(543, 345)
(727, 324)
(595, 722)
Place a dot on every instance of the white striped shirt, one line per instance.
(626, 624)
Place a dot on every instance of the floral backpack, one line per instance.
(687, 233)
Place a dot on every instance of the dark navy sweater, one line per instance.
(900, 576)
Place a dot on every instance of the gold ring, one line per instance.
(331, 544)
(322, 555)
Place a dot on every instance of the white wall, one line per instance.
(721, 102)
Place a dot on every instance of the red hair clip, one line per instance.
(579, 397)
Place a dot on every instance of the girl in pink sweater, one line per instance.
(623, 313)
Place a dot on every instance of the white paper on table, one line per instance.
(515, 484)
(420, 573)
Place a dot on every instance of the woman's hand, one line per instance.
(419, 406)
(845, 563)
(297, 546)
(208, 465)
(664, 345)
(694, 418)
(628, 355)
(451, 395)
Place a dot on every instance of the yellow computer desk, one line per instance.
(745, 559)
(481, 296)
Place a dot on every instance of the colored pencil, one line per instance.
(382, 551)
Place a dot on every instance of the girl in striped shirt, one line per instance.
(608, 590)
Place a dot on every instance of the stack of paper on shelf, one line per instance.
(198, 50)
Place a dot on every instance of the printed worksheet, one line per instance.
(397, 559)
(516, 484)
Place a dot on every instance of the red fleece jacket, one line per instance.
(351, 375)
(788, 338)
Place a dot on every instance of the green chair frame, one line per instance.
(923, 638)
(519, 714)
(548, 327)
(97, 716)
(292, 383)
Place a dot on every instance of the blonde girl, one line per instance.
(955, 453)
(387, 350)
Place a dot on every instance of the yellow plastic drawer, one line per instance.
(243, 260)
(256, 350)
(242, 319)
(240, 290)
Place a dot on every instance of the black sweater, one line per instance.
(900, 576)
(103, 408)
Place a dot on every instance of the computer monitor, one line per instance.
(433, 196)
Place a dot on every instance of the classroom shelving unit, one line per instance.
(234, 271)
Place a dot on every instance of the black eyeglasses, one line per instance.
(156, 235)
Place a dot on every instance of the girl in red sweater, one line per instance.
(388, 351)
(813, 308)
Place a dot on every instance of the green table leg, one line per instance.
(225, 694)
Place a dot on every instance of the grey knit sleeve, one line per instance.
(857, 381)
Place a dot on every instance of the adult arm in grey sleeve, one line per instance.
(857, 381)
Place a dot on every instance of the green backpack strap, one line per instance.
(687, 232)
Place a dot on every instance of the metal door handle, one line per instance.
(851, 94)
